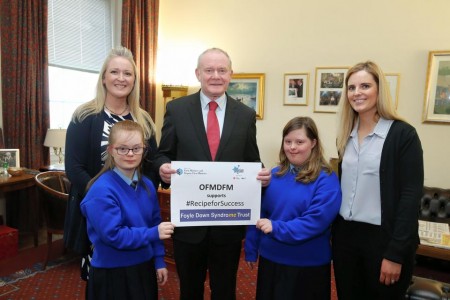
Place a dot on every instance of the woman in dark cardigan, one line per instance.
(375, 236)
(117, 99)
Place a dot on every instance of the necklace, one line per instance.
(110, 110)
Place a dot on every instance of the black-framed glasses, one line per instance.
(125, 150)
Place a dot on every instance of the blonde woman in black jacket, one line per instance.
(375, 235)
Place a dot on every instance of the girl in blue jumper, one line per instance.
(124, 222)
(292, 238)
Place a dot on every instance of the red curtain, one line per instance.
(24, 64)
(140, 35)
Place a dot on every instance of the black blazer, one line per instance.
(183, 138)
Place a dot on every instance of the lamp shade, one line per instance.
(55, 138)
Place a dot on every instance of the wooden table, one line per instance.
(10, 186)
(435, 252)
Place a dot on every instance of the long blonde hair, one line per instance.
(347, 116)
(96, 105)
(128, 126)
(316, 162)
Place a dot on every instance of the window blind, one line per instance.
(79, 33)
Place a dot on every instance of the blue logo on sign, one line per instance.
(237, 170)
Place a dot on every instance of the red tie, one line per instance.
(212, 129)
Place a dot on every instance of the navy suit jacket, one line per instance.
(184, 138)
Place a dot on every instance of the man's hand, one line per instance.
(165, 172)
(264, 176)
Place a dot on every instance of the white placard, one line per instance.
(215, 193)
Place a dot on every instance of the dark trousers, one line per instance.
(192, 262)
(276, 281)
(357, 256)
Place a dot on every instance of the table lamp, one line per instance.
(56, 138)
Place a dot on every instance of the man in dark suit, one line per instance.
(299, 86)
(214, 248)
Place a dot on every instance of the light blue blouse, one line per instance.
(360, 180)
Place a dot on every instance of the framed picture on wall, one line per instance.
(11, 156)
(248, 88)
(296, 88)
(437, 88)
(393, 81)
(329, 88)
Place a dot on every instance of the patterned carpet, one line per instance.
(61, 281)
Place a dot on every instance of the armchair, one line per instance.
(53, 188)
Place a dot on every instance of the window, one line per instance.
(68, 89)
(80, 36)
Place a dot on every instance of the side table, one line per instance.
(11, 186)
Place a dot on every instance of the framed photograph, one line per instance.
(296, 88)
(437, 90)
(11, 156)
(329, 88)
(248, 88)
(393, 81)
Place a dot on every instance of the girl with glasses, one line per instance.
(124, 222)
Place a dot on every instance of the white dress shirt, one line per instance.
(220, 111)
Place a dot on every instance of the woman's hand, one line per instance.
(165, 230)
(162, 275)
(390, 272)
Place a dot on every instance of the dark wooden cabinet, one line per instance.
(164, 204)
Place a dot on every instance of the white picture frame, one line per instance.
(296, 88)
(329, 88)
(12, 156)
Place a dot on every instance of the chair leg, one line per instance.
(49, 249)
